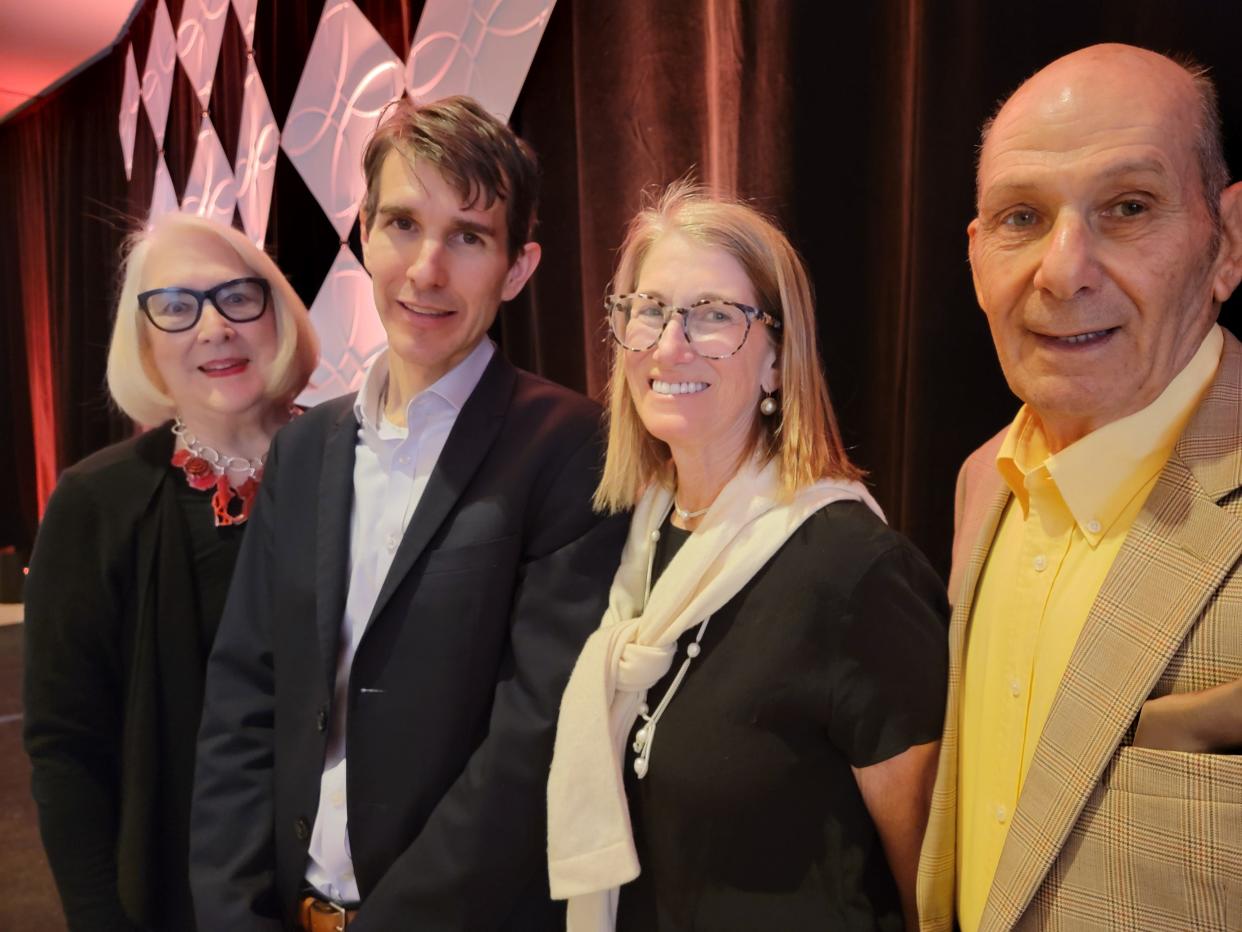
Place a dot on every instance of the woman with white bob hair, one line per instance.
(133, 559)
(749, 740)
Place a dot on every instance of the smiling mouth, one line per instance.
(1081, 339)
(428, 312)
(222, 367)
(678, 388)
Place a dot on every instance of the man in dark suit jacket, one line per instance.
(422, 570)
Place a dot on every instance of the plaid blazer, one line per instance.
(1105, 835)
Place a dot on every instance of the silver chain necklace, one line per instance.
(220, 463)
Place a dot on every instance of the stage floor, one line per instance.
(29, 902)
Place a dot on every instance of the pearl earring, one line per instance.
(768, 406)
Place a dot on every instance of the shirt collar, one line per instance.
(454, 387)
(1098, 475)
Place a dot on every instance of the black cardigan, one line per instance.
(116, 644)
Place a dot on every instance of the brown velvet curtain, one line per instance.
(60, 216)
(853, 124)
(811, 111)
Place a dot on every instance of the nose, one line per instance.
(1069, 264)
(212, 325)
(673, 347)
(427, 268)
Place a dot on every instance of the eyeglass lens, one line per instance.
(714, 330)
(179, 309)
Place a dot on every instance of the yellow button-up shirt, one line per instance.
(1068, 517)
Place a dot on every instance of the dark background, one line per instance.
(854, 124)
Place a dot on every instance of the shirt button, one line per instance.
(1001, 814)
(403, 459)
(1040, 562)
(301, 828)
(391, 542)
(337, 799)
(1015, 688)
(1093, 526)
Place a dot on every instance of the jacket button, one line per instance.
(301, 828)
(321, 721)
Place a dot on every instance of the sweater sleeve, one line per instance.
(74, 698)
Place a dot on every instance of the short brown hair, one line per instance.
(803, 435)
(476, 153)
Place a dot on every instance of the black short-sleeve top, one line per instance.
(834, 655)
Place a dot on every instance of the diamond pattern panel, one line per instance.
(350, 334)
(158, 77)
(229, 87)
(131, 98)
(185, 120)
(350, 75)
(163, 197)
(299, 235)
(198, 42)
(280, 50)
(142, 181)
(245, 10)
(481, 47)
(255, 165)
(211, 190)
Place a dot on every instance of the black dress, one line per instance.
(834, 655)
(127, 584)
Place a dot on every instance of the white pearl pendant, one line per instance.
(640, 767)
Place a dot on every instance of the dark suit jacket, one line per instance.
(455, 686)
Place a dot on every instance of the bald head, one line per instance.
(1115, 80)
(1102, 249)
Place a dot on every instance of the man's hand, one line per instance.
(1207, 721)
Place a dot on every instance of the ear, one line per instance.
(972, 249)
(771, 380)
(364, 233)
(521, 270)
(1229, 259)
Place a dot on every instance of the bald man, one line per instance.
(1089, 775)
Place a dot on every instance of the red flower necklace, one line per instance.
(206, 468)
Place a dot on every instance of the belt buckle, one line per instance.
(336, 909)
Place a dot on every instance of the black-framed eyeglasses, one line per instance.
(714, 328)
(175, 309)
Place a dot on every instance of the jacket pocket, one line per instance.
(481, 556)
(1158, 846)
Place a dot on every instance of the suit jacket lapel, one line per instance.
(336, 497)
(468, 442)
(978, 522)
(1176, 555)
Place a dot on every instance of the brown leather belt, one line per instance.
(319, 915)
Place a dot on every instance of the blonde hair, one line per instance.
(136, 387)
(803, 436)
